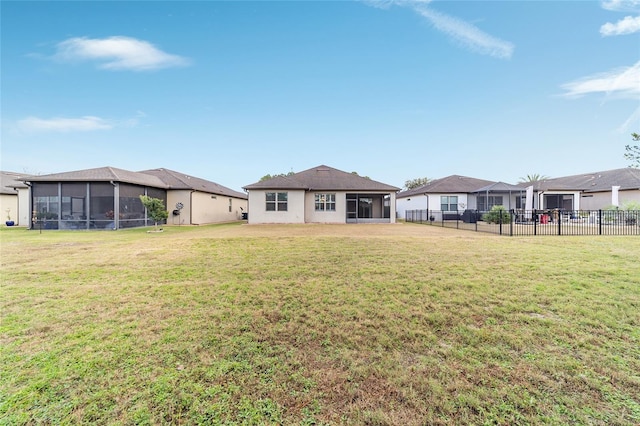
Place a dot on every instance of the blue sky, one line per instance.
(394, 90)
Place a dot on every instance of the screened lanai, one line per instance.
(500, 194)
(90, 205)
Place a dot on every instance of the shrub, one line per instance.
(497, 214)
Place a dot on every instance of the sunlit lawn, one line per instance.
(318, 324)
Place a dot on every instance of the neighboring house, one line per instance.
(321, 195)
(589, 191)
(14, 198)
(203, 201)
(448, 195)
(109, 198)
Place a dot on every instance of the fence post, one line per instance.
(512, 218)
(535, 222)
(600, 222)
(559, 222)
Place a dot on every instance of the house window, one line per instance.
(449, 203)
(326, 202)
(230, 205)
(486, 203)
(276, 201)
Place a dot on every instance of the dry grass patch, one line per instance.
(318, 324)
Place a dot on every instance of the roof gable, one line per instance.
(323, 178)
(454, 184)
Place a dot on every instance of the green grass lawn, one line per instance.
(318, 324)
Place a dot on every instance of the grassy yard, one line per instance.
(318, 324)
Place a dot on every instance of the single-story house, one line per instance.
(109, 198)
(321, 195)
(14, 198)
(589, 191)
(447, 195)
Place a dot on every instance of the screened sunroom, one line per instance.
(90, 205)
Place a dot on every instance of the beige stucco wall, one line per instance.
(295, 208)
(202, 208)
(174, 197)
(9, 202)
(600, 200)
(18, 205)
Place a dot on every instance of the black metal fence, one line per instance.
(534, 222)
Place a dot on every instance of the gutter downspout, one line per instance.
(30, 220)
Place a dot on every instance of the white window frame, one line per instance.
(449, 203)
(279, 203)
(325, 202)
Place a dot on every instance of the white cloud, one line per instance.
(118, 53)
(467, 34)
(628, 25)
(631, 122)
(459, 30)
(135, 120)
(624, 81)
(59, 124)
(385, 4)
(621, 5)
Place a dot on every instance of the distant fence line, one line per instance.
(534, 222)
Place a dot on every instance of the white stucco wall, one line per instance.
(259, 214)
(337, 216)
(431, 202)
(415, 202)
(301, 208)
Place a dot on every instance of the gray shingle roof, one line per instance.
(500, 187)
(177, 180)
(9, 181)
(155, 178)
(101, 174)
(323, 178)
(454, 184)
(627, 178)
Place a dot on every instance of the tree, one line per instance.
(415, 183)
(267, 177)
(633, 151)
(155, 209)
(536, 177)
(356, 173)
